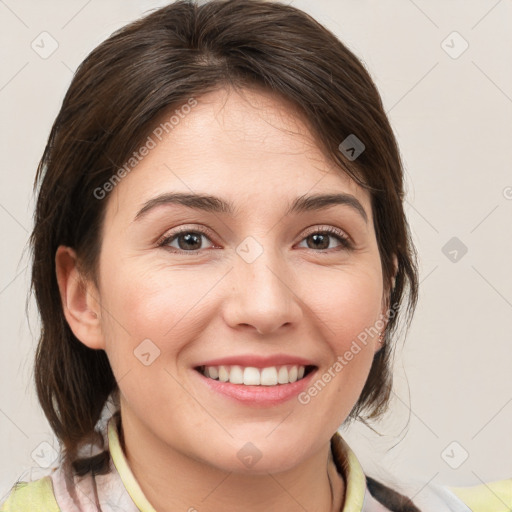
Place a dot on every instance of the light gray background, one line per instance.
(452, 118)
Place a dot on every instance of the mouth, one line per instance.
(269, 376)
(255, 380)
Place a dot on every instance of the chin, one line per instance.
(259, 456)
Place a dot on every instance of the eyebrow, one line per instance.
(213, 204)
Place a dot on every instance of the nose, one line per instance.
(262, 295)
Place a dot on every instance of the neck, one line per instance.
(172, 481)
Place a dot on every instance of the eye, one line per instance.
(320, 238)
(188, 240)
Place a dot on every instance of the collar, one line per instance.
(356, 492)
(351, 471)
(118, 458)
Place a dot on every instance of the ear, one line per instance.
(395, 271)
(80, 299)
(386, 299)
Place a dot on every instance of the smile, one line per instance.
(252, 376)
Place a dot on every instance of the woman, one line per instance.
(221, 254)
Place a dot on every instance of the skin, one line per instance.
(254, 150)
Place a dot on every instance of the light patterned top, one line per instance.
(119, 491)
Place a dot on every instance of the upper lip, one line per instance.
(258, 361)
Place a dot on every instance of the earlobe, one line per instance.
(395, 271)
(79, 298)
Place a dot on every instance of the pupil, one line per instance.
(188, 240)
(325, 238)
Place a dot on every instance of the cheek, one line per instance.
(347, 309)
(162, 305)
(348, 305)
(151, 319)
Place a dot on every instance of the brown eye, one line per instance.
(320, 239)
(187, 240)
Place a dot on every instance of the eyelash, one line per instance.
(344, 240)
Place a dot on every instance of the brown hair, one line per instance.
(119, 91)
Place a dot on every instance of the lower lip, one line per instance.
(258, 395)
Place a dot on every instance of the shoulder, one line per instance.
(388, 497)
(35, 496)
(487, 497)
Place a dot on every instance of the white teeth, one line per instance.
(251, 376)
(282, 375)
(236, 375)
(269, 376)
(223, 373)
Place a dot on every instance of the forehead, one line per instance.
(250, 146)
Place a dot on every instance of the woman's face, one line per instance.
(260, 287)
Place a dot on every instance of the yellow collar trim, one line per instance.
(130, 483)
(352, 472)
(344, 458)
